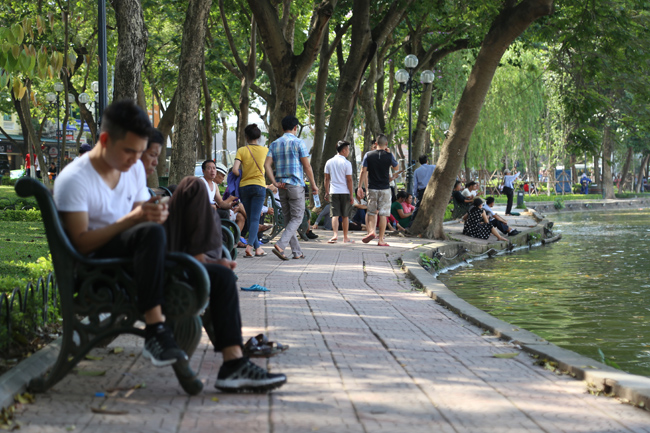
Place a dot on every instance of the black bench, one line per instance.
(460, 209)
(97, 298)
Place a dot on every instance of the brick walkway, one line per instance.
(367, 354)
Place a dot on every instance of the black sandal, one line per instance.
(260, 347)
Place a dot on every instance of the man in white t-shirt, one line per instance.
(338, 190)
(106, 210)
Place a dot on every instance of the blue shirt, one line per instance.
(509, 180)
(421, 177)
(286, 152)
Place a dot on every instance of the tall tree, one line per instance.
(289, 70)
(189, 85)
(131, 48)
(513, 19)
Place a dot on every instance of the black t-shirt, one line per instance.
(459, 197)
(379, 163)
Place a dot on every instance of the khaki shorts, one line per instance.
(379, 202)
(340, 205)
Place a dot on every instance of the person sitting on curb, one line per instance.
(477, 224)
(397, 210)
(461, 203)
(496, 220)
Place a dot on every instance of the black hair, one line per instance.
(456, 184)
(252, 132)
(423, 159)
(341, 145)
(470, 183)
(477, 201)
(489, 201)
(125, 116)
(155, 136)
(205, 163)
(289, 122)
(381, 140)
(401, 194)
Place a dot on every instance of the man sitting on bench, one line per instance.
(103, 202)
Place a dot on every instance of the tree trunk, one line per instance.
(189, 82)
(363, 46)
(608, 183)
(626, 169)
(507, 26)
(596, 170)
(639, 180)
(289, 70)
(165, 127)
(207, 115)
(131, 47)
(319, 109)
(30, 138)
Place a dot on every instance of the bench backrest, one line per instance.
(64, 255)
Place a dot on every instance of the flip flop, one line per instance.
(279, 254)
(255, 288)
(301, 256)
(383, 245)
(248, 256)
(261, 255)
(368, 238)
(348, 242)
(332, 241)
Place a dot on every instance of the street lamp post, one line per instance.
(224, 145)
(405, 78)
(94, 86)
(54, 99)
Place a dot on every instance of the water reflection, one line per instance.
(591, 290)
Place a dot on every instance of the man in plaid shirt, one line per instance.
(291, 160)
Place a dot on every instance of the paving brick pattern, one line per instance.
(368, 354)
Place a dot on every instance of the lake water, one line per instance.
(589, 291)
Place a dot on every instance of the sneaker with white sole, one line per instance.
(246, 376)
(162, 349)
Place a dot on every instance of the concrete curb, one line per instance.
(15, 381)
(632, 388)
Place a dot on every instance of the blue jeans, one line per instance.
(252, 197)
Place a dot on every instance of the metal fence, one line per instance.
(37, 303)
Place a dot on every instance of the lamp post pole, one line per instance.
(95, 88)
(405, 78)
(223, 116)
(103, 58)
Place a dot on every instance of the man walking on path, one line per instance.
(290, 157)
(421, 177)
(509, 188)
(376, 174)
(338, 190)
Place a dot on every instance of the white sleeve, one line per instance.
(348, 169)
(70, 195)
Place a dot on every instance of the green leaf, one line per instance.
(19, 34)
(94, 358)
(506, 355)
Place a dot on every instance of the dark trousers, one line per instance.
(501, 226)
(420, 196)
(252, 197)
(509, 192)
(146, 244)
(224, 307)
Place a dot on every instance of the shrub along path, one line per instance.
(368, 354)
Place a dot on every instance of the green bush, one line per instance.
(450, 208)
(31, 215)
(559, 203)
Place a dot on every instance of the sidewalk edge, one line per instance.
(631, 388)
